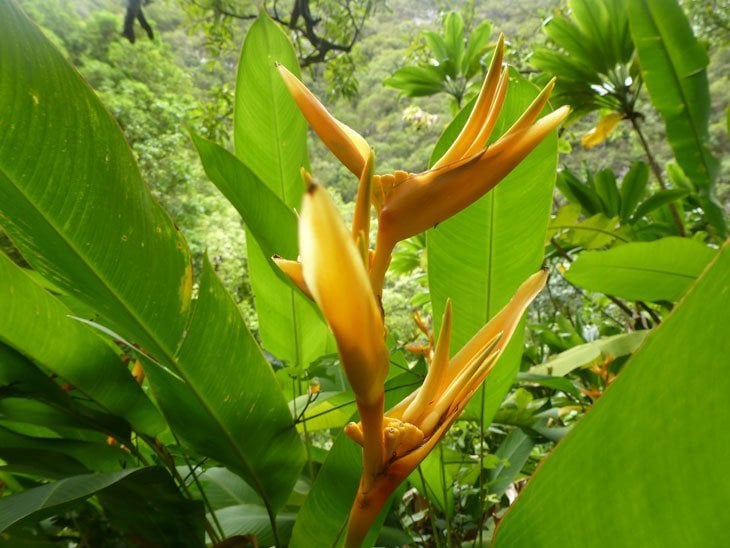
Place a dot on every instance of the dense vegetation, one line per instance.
(236, 419)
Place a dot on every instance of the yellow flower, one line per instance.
(412, 428)
(408, 204)
(335, 275)
(602, 131)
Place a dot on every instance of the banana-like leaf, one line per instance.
(251, 519)
(674, 67)
(416, 81)
(38, 326)
(230, 405)
(270, 139)
(650, 446)
(513, 453)
(72, 198)
(271, 222)
(657, 200)
(645, 271)
(471, 256)
(95, 456)
(144, 501)
(21, 378)
(223, 398)
(605, 185)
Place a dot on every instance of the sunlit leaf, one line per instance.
(270, 139)
(658, 467)
(647, 271)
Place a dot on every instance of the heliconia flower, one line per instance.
(408, 204)
(336, 276)
(412, 428)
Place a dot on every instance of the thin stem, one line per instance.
(310, 467)
(481, 464)
(431, 517)
(657, 173)
(445, 494)
(164, 455)
(203, 495)
(340, 406)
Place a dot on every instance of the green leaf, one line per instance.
(649, 446)
(270, 139)
(272, 223)
(96, 456)
(633, 187)
(224, 488)
(251, 519)
(657, 200)
(149, 508)
(72, 198)
(53, 497)
(143, 500)
(674, 68)
(471, 256)
(230, 406)
(454, 38)
(38, 326)
(513, 453)
(578, 192)
(416, 81)
(607, 190)
(580, 48)
(476, 48)
(646, 271)
(587, 354)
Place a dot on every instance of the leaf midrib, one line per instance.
(164, 352)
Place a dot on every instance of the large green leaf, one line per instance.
(22, 379)
(271, 222)
(645, 271)
(97, 456)
(143, 500)
(227, 403)
(645, 465)
(270, 139)
(97, 233)
(38, 326)
(150, 509)
(674, 67)
(416, 81)
(251, 519)
(72, 198)
(472, 257)
(53, 497)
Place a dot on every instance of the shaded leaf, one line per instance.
(38, 326)
(230, 406)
